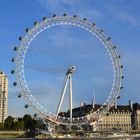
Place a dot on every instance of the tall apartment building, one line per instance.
(3, 96)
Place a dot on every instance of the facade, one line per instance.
(136, 117)
(3, 96)
(119, 117)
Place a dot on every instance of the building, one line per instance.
(119, 117)
(3, 96)
(136, 117)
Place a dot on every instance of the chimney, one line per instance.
(93, 101)
(130, 104)
(93, 104)
(81, 103)
(115, 104)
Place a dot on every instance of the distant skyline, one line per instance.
(119, 19)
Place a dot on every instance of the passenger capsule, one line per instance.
(118, 56)
(114, 47)
(15, 48)
(35, 23)
(44, 18)
(54, 15)
(118, 97)
(12, 71)
(64, 14)
(27, 30)
(109, 38)
(122, 77)
(15, 83)
(19, 96)
(20, 38)
(26, 106)
(101, 30)
(35, 115)
(121, 66)
(84, 19)
(13, 60)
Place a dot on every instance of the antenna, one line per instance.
(4, 69)
(94, 99)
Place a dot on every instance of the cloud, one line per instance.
(84, 51)
(45, 69)
(71, 7)
(128, 18)
(123, 15)
(48, 96)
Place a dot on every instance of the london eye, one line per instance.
(69, 69)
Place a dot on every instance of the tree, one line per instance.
(1, 126)
(19, 125)
(9, 123)
(29, 123)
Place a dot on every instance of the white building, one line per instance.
(118, 119)
(3, 96)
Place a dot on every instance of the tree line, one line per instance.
(26, 123)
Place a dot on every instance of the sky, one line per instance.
(118, 18)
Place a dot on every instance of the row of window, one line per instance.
(118, 112)
(126, 128)
(122, 117)
(112, 125)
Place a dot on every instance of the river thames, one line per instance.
(137, 138)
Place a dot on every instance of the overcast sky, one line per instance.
(118, 18)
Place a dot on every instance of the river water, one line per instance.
(137, 138)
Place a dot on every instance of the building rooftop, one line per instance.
(136, 106)
(85, 109)
(2, 73)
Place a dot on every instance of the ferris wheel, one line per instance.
(22, 49)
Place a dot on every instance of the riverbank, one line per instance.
(22, 135)
(12, 134)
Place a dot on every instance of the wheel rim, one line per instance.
(45, 24)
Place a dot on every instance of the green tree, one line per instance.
(1, 126)
(29, 123)
(19, 125)
(9, 123)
